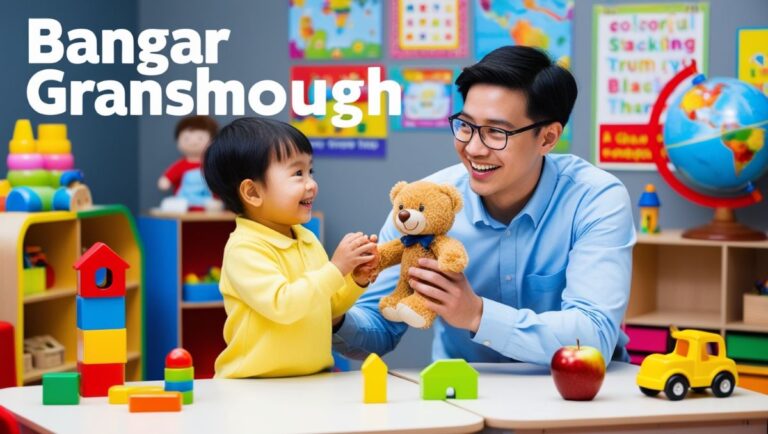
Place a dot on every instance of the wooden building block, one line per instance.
(179, 386)
(179, 374)
(101, 273)
(119, 394)
(101, 346)
(61, 388)
(100, 313)
(95, 380)
(167, 401)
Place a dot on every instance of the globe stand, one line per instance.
(724, 227)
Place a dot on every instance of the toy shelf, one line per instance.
(63, 237)
(696, 284)
(177, 245)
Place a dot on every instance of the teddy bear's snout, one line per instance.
(403, 216)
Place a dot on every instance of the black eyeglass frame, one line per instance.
(508, 133)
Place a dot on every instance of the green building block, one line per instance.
(61, 388)
(187, 397)
(442, 375)
(180, 374)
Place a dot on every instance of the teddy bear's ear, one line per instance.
(396, 190)
(455, 196)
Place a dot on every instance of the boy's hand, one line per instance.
(353, 250)
(366, 274)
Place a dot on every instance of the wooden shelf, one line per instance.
(202, 305)
(744, 327)
(37, 374)
(665, 318)
(674, 237)
(194, 216)
(53, 294)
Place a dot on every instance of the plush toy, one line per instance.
(424, 212)
(193, 135)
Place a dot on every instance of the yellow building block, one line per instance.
(119, 394)
(374, 372)
(101, 346)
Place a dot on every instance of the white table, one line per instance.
(523, 397)
(317, 404)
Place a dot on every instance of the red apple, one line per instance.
(578, 372)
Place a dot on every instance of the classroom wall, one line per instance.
(106, 149)
(354, 193)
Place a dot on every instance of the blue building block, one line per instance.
(179, 386)
(100, 313)
(201, 292)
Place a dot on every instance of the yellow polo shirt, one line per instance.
(280, 295)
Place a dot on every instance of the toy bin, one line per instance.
(756, 309)
(201, 292)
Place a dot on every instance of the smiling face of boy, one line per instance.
(285, 196)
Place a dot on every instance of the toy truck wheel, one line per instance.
(723, 384)
(676, 388)
(649, 392)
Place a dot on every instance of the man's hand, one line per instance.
(448, 294)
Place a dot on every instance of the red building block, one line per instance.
(7, 356)
(112, 283)
(178, 358)
(95, 380)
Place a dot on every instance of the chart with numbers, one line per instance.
(428, 28)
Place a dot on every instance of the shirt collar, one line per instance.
(273, 237)
(535, 206)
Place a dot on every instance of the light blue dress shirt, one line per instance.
(559, 271)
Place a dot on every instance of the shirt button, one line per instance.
(487, 343)
(508, 277)
(508, 233)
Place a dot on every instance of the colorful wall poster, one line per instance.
(429, 97)
(637, 50)
(428, 28)
(545, 24)
(367, 139)
(335, 29)
(752, 57)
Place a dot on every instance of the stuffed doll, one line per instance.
(424, 213)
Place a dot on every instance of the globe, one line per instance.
(715, 135)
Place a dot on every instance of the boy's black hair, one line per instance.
(549, 88)
(243, 150)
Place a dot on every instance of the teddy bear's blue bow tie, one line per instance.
(424, 240)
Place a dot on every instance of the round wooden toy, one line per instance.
(178, 358)
(58, 161)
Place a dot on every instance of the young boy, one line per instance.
(280, 290)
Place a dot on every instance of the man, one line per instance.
(549, 237)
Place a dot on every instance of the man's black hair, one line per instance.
(549, 88)
(243, 150)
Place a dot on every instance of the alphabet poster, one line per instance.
(367, 139)
(637, 50)
(752, 52)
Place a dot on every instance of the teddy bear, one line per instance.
(424, 212)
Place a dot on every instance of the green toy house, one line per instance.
(440, 377)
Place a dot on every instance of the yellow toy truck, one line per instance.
(698, 362)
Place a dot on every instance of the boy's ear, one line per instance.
(251, 193)
(551, 134)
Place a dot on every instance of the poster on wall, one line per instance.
(752, 57)
(429, 97)
(545, 24)
(428, 28)
(335, 29)
(365, 140)
(637, 50)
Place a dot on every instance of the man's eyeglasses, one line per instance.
(492, 137)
